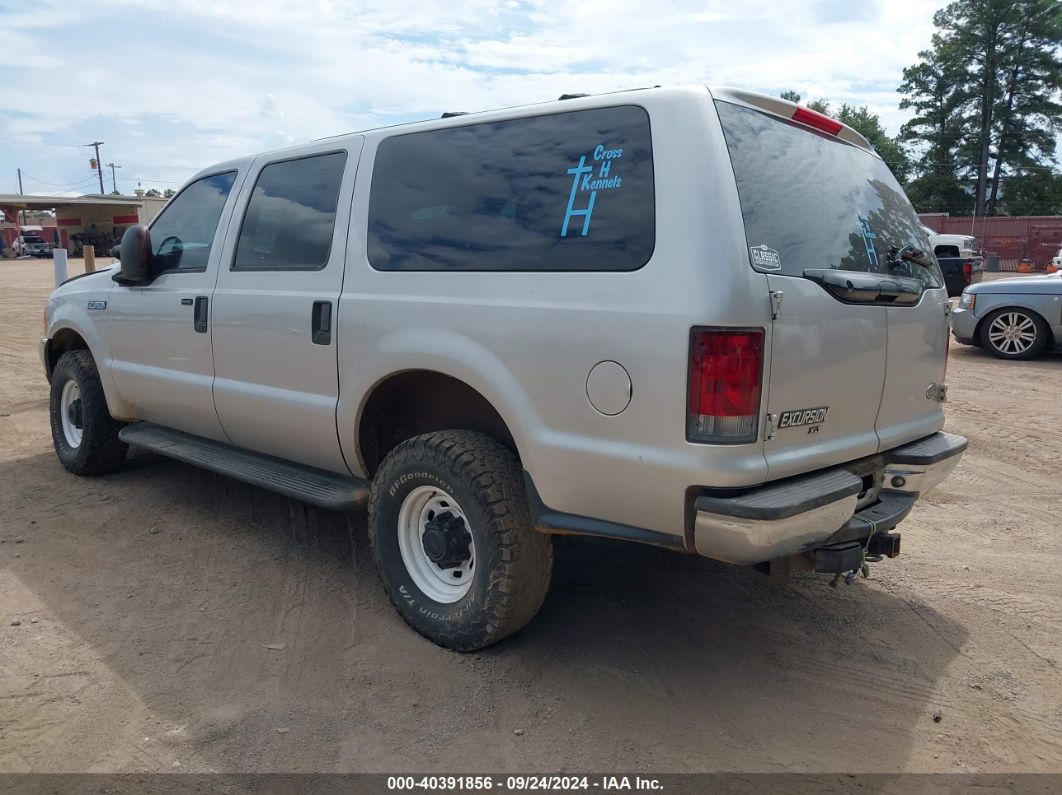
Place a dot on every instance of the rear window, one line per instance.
(563, 192)
(811, 201)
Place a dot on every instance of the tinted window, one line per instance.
(289, 220)
(811, 201)
(183, 233)
(565, 192)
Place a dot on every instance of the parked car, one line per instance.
(958, 261)
(959, 272)
(1057, 260)
(1017, 318)
(702, 320)
(31, 245)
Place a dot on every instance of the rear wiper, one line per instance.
(909, 254)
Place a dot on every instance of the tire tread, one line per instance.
(521, 561)
(101, 450)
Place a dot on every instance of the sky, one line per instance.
(172, 86)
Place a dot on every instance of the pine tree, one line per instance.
(984, 97)
(867, 124)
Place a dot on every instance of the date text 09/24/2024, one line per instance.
(545, 783)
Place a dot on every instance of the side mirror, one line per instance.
(135, 256)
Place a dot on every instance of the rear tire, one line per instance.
(453, 539)
(83, 432)
(1014, 334)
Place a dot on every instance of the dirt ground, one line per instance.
(176, 620)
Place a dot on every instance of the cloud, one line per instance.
(175, 85)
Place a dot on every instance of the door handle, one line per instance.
(199, 316)
(321, 323)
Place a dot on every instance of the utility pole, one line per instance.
(99, 165)
(21, 212)
(114, 181)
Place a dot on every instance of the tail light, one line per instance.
(725, 378)
(967, 271)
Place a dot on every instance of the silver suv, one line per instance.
(698, 319)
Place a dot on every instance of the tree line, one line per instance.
(985, 98)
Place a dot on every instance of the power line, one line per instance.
(64, 185)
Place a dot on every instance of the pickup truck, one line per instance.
(706, 320)
(960, 272)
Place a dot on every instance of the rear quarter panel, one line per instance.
(527, 341)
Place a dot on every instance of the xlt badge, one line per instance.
(800, 417)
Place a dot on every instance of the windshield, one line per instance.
(810, 201)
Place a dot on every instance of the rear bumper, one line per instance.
(800, 514)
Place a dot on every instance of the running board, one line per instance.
(315, 486)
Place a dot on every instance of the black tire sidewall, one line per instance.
(418, 608)
(1034, 350)
(95, 418)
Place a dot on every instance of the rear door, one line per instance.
(858, 332)
(276, 307)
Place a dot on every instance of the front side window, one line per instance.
(182, 235)
(291, 216)
(563, 192)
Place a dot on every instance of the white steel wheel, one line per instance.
(1012, 333)
(436, 545)
(71, 413)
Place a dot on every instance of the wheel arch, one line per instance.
(415, 401)
(63, 340)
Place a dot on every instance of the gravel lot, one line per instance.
(171, 620)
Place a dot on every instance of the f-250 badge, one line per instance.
(800, 417)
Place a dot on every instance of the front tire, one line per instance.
(83, 432)
(1014, 334)
(453, 540)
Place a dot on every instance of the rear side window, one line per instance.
(183, 233)
(810, 201)
(291, 215)
(564, 192)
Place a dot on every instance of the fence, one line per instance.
(1005, 241)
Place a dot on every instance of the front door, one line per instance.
(276, 308)
(159, 334)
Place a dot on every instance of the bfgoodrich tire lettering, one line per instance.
(513, 562)
(89, 443)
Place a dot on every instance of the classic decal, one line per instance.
(765, 258)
